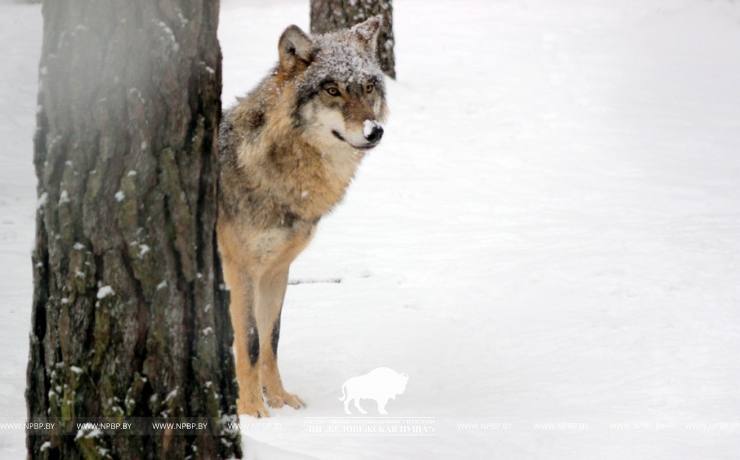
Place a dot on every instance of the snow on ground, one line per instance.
(548, 233)
(20, 39)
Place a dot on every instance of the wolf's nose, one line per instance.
(375, 134)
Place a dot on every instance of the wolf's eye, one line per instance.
(332, 91)
(369, 87)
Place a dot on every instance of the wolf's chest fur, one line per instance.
(275, 186)
(273, 180)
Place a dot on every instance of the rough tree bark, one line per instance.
(331, 15)
(128, 316)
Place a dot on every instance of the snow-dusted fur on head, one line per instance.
(368, 31)
(341, 94)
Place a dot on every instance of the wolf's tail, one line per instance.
(344, 396)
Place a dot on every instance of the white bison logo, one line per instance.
(381, 385)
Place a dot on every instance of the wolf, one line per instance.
(287, 153)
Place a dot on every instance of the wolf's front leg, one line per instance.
(272, 294)
(246, 340)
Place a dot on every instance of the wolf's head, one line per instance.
(339, 89)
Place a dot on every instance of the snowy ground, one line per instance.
(549, 233)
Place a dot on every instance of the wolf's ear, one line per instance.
(367, 32)
(296, 49)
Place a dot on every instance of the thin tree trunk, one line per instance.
(331, 15)
(128, 316)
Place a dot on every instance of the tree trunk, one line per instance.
(331, 15)
(129, 318)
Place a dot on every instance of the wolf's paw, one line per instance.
(293, 401)
(283, 398)
(275, 402)
(254, 410)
